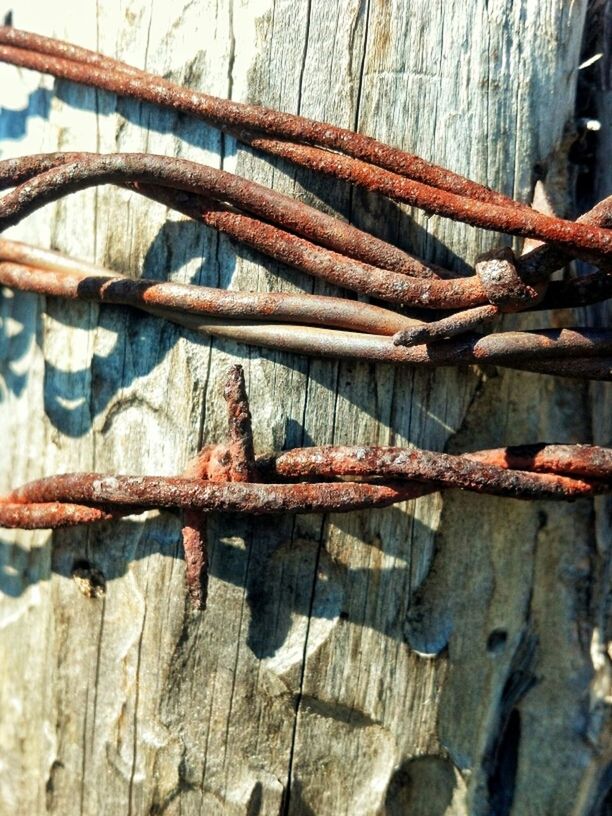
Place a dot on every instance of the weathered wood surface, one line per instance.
(446, 657)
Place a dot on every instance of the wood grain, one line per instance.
(443, 657)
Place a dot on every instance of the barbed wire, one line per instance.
(229, 478)
(358, 158)
(314, 325)
(581, 352)
(322, 245)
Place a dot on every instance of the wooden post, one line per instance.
(443, 657)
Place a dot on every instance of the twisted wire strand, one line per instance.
(229, 478)
(355, 157)
(253, 318)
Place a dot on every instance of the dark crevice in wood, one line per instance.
(88, 578)
(496, 642)
(603, 805)
(56, 768)
(585, 152)
(299, 807)
(500, 762)
(502, 779)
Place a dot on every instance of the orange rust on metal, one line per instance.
(383, 476)
(591, 461)
(222, 476)
(286, 247)
(196, 557)
(568, 351)
(195, 541)
(369, 162)
(50, 515)
(87, 67)
(179, 492)
(571, 352)
(182, 175)
(440, 469)
(458, 323)
(504, 288)
(199, 300)
(592, 476)
(342, 270)
(241, 450)
(295, 216)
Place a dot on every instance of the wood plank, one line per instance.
(426, 659)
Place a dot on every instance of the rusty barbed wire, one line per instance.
(251, 197)
(321, 245)
(286, 229)
(372, 335)
(230, 478)
(358, 158)
(81, 65)
(49, 273)
(569, 352)
(45, 178)
(71, 172)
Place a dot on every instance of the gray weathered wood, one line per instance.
(444, 657)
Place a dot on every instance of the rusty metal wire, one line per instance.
(319, 244)
(49, 273)
(283, 228)
(288, 230)
(257, 318)
(250, 197)
(299, 235)
(356, 158)
(500, 280)
(68, 61)
(230, 478)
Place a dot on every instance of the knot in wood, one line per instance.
(502, 283)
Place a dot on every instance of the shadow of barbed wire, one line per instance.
(277, 570)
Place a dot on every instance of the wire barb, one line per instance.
(221, 479)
